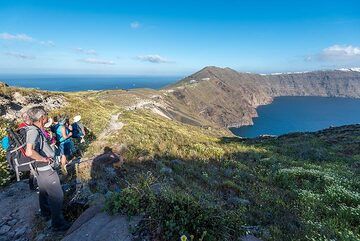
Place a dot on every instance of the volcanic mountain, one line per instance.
(229, 98)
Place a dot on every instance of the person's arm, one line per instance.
(63, 133)
(30, 152)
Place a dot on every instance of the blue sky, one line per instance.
(177, 37)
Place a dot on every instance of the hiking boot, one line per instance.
(43, 216)
(60, 228)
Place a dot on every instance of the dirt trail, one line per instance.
(114, 125)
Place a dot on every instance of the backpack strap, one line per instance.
(18, 148)
(33, 165)
(41, 135)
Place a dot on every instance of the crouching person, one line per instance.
(50, 192)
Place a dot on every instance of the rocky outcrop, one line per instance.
(13, 100)
(229, 98)
(95, 225)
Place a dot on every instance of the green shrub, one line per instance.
(176, 213)
(127, 201)
(329, 204)
(4, 168)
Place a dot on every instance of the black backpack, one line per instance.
(16, 153)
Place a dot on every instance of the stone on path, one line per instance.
(100, 227)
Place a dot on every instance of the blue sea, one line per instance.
(293, 114)
(80, 82)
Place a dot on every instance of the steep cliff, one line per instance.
(229, 98)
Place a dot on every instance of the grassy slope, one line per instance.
(297, 187)
(300, 187)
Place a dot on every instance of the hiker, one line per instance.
(54, 124)
(25, 123)
(50, 192)
(63, 135)
(78, 129)
(26, 120)
(48, 133)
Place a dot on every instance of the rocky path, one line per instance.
(18, 207)
(114, 125)
(19, 222)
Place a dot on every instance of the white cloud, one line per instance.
(309, 58)
(97, 61)
(19, 55)
(86, 51)
(135, 25)
(336, 53)
(19, 37)
(153, 58)
(341, 52)
(25, 38)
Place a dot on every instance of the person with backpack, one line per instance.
(25, 120)
(50, 192)
(54, 125)
(78, 129)
(25, 123)
(63, 136)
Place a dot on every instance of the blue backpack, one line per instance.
(5, 143)
(77, 132)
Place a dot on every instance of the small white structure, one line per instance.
(193, 81)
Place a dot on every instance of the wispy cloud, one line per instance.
(25, 38)
(97, 61)
(86, 51)
(19, 55)
(135, 25)
(18, 37)
(47, 43)
(336, 53)
(153, 58)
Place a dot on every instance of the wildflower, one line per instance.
(183, 238)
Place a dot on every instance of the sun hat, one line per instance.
(49, 123)
(77, 118)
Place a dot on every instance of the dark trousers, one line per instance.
(32, 182)
(51, 196)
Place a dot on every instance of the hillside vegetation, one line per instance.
(199, 182)
(296, 187)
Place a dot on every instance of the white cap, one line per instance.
(77, 118)
(49, 123)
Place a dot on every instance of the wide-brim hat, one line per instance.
(49, 123)
(77, 118)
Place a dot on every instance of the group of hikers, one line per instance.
(43, 145)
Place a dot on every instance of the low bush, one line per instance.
(329, 204)
(4, 168)
(172, 214)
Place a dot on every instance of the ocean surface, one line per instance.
(80, 82)
(293, 114)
